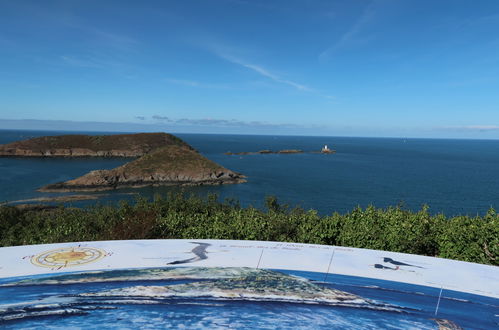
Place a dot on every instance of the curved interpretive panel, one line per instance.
(240, 284)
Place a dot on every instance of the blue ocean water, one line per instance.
(451, 176)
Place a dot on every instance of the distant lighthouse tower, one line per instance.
(326, 150)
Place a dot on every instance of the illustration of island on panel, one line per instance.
(240, 284)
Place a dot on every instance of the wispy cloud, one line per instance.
(352, 33)
(228, 122)
(161, 118)
(233, 55)
(218, 122)
(474, 128)
(71, 16)
(214, 126)
(140, 117)
(96, 44)
(263, 72)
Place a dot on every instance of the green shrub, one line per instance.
(474, 239)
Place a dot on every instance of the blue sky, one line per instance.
(418, 68)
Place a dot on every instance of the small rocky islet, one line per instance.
(324, 150)
(161, 159)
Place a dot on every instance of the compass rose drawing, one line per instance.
(68, 257)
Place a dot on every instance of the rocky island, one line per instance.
(163, 159)
(261, 152)
(324, 150)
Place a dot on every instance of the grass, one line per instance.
(170, 159)
(141, 141)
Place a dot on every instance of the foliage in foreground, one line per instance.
(474, 239)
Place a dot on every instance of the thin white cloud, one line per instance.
(235, 55)
(481, 128)
(161, 118)
(215, 122)
(351, 34)
(263, 72)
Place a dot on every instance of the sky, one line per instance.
(406, 68)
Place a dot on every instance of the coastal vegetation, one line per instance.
(467, 238)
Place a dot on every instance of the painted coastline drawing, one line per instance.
(240, 284)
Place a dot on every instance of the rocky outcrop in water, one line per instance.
(170, 165)
(163, 159)
(285, 151)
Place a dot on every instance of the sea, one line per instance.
(451, 176)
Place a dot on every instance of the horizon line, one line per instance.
(251, 134)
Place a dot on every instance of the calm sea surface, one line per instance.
(451, 176)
